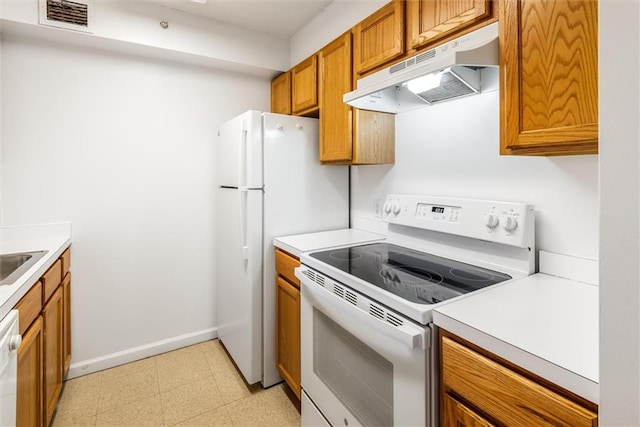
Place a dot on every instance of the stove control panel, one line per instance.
(502, 222)
(438, 212)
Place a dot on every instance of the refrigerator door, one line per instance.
(239, 151)
(300, 196)
(239, 274)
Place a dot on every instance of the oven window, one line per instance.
(358, 376)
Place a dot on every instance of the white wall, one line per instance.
(452, 149)
(134, 27)
(334, 20)
(122, 147)
(619, 66)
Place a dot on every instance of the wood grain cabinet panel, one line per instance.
(288, 326)
(30, 385)
(379, 38)
(504, 395)
(549, 72)
(336, 116)
(51, 280)
(29, 307)
(53, 319)
(431, 21)
(66, 324)
(348, 135)
(455, 414)
(281, 94)
(285, 266)
(304, 86)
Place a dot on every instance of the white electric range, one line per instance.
(367, 338)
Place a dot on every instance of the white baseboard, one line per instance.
(90, 366)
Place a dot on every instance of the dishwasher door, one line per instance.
(10, 341)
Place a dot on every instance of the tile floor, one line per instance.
(193, 386)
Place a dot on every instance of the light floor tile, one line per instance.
(217, 417)
(230, 382)
(270, 407)
(144, 412)
(120, 390)
(78, 404)
(182, 368)
(194, 386)
(68, 419)
(148, 364)
(179, 355)
(193, 399)
(82, 389)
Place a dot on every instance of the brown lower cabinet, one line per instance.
(45, 353)
(53, 316)
(288, 320)
(480, 389)
(30, 379)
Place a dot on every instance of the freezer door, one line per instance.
(239, 152)
(239, 278)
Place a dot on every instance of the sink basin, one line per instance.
(12, 266)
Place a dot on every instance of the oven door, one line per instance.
(361, 363)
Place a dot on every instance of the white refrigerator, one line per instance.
(270, 184)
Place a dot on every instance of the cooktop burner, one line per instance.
(415, 276)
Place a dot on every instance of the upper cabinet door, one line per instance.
(304, 78)
(431, 20)
(336, 136)
(379, 38)
(549, 77)
(281, 94)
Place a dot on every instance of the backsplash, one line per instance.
(452, 149)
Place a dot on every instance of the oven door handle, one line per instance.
(346, 314)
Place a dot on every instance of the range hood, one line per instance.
(460, 67)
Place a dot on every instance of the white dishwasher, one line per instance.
(10, 340)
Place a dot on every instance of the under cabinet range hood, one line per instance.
(460, 67)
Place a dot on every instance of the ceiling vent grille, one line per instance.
(70, 15)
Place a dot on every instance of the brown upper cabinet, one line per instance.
(304, 86)
(281, 94)
(335, 115)
(347, 135)
(549, 77)
(430, 21)
(379, 38)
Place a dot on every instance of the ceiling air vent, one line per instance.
(70, 15)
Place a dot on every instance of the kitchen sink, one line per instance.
(12, 266)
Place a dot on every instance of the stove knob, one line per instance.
(491, 221)
(387, 208)
(509, 223)
(396, 208)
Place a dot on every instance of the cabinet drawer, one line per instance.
(50, 280)
(504, 394)
(285, 264)
(66, 261)
(29, 307)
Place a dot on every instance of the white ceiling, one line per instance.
(274, 17)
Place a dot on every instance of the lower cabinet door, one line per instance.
(30, 385)
(53, 315)
(288, 324)
(455, 414)
(66, 326)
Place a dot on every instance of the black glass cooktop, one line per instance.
(415, 276)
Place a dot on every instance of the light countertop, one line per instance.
(53, 238)
(299, 243)
(545, 324)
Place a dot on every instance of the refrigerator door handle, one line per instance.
(242, 167)
(244, 244)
